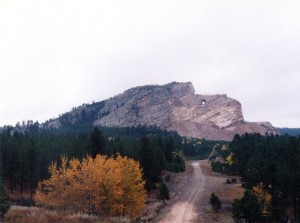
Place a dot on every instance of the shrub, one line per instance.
(215, 202)
(163, 193)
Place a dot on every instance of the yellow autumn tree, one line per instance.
(112, 188)
(134, 196)
(104, 186)
(263, 196)
(230, 159)
(83, 184)
(88, 183)
(54, 192)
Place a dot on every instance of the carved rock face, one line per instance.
(175, 106)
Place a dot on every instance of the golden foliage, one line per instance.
(263, 196)
(106, 186)
(230, 159)
(133, 187)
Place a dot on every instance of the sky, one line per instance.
(59, 54)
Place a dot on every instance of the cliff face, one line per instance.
(175, 106)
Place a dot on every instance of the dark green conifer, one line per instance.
(163, 193)
(4, 202)
(215, 202)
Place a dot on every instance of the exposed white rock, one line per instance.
(175, 106)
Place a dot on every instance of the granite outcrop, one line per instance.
(173, 106)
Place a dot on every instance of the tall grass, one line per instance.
(20, 214)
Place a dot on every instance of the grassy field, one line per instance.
(20, 214)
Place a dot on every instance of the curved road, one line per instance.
(184, 210)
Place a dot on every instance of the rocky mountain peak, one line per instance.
(173, 106)
(180, 89)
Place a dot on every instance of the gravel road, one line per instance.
(185, 210)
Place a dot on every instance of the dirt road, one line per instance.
(185, 209)
(192, 204)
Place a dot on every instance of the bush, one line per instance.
(177, 165)
(215, 202)
(163, 193)
(217, 167)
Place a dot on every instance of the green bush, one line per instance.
(163, 193)
(217, 167)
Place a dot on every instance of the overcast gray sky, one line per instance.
(55, 55)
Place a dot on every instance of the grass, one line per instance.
(20, 214)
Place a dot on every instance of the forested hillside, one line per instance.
(28, 150)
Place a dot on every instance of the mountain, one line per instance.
(173, 106)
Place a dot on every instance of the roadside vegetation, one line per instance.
(215, 202)
(23, 214)
(163, 193)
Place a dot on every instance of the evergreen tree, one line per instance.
(215, 202)
(163, 193)
(247, 208)
(169, 148)
(147, 160)
(97, 143)
(4, 205)
(179, 162)
(32, 156)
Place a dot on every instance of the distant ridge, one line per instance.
(173, 106)
(290, 131)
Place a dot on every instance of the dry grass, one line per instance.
(151, 211)
(226, 192)
(19, 214)
(231, 192)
